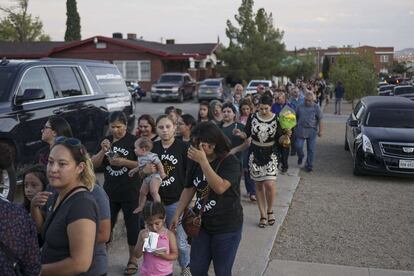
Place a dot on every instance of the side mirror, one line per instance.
(31, 94)
(353, 123)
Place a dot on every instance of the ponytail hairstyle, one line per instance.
(154, 210)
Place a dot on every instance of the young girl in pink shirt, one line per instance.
(159, 254)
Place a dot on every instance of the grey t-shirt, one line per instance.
(308, 118)
(102, 200)
(80, 205)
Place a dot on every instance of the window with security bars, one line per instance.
(134, 70)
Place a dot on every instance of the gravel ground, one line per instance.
(337, 218)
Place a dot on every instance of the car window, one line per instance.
(390, 118)
(256, 83)
(357, 108)
(171, 78)
(211, 83)
(108, 78)
(67, 79)
(360, 112)
(6, 76)
(36, 78)
(403, 90)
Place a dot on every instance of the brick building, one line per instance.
(383, 57)
(137, 59)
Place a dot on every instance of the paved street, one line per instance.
(337, 218)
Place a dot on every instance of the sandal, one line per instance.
(131, 268)
(262, 222)
(271, 218)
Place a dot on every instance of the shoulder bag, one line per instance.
(191, 221)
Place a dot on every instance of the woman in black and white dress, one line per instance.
(264, 131)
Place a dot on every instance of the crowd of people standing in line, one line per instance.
(153, 175)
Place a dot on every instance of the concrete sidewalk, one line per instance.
(253, 255)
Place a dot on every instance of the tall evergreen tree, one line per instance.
(325, 68)
(255, 49)
(73, 27)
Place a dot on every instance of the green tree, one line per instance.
(255, 49)
(19, 26)
(298, 67)
(73, 27)
(399, 67)
(325, 68)
(358, 75)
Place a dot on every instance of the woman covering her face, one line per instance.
(214, 178)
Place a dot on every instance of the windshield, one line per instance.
(391, 118)
(211, 83)
(386, 87)
(256, 83)
(403, 90)
(6, 75)
(170, 78)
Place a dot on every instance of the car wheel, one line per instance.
(181, 97)
(154, 100)
(8, 183)
(357, 164)
(346, 145)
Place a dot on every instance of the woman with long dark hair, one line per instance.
(214, 177)
(117, 157)
(264, 131)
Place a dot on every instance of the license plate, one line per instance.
(406, 164)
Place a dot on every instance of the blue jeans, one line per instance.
(338, 102)
(219, 248)
(183, 247)
(310, 148)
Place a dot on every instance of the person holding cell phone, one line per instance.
(117, 157)
(158, 261)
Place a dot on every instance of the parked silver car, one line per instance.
(213, 89)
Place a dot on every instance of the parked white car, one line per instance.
(251, 87)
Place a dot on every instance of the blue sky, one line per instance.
(308, 23)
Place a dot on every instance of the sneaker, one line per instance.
(186, 272)
(300, 160)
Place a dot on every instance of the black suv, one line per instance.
(83, 92)
(380, 135)
(176, 86)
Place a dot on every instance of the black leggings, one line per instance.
(132, 222)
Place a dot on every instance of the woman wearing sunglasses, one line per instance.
(54, 127)
(71, 224)
(117, 157)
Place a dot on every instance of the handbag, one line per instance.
(17, 268)
(191, 221)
